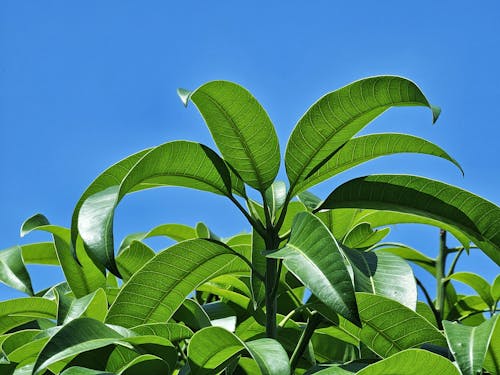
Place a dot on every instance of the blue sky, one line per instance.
(86, 83)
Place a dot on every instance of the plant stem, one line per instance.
(454, 262)
(440, 277)
(428, 298)
(271, 301)
(307, 333)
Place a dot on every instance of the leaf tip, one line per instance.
(436, 111)
(32, 223)
(184, 95)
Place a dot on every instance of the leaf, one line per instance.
(241, 129)
(314, 257)
(362, 149)
(13, 272)
(411, 362)
(390, 327)
(132, 258)
(469, 344)
(212, 349)
(378, 218)
(476, 282)
(76, 370)
(275, 197)
(146, 363)
(495, 289)
(337, 116)
(192, 315)
(40, 253)
(178, 163)
(83, 278)
(155, 292)
(93, 305)
(412, 255)
(492, 359)
(383, 274)
(362, 236)
(177, 232)
(475, 216)
(18, 311)
(258, 265)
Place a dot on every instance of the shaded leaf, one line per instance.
(389, 327)
(314, 257)
(475, 216)
(13, 272)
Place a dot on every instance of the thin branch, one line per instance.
(454, 262)
(428, 299)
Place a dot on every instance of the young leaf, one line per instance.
(212, 349)
(178, 163)
(155, 292)
(339, 115)
(389, 327)
(362, 149)
(469, 344)
(363, 236)
(411, 362)
(13, 272)
(314, 257)
(275, 196)
(475, 216)
(241, 129)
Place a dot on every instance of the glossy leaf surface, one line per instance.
(241, 129)
(337, 116)
(314, 257)
(13, 272)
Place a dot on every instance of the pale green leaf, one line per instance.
(15, 312)
(13, 272)
(476, 282)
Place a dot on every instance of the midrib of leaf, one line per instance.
(191, 269)
(237, 130)
(372, 281)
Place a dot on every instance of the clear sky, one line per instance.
(86, 83)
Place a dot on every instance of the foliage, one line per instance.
(311, 289)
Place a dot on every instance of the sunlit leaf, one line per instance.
(476, 282)
(13, 272)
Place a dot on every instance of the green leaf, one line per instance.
(492, 359)
(369, 147)
(146, 364)
(383, 274)
(192, 315)
(18, 311)
(258, 265)
(76, 370)
(390, 327)
(412, 255)
(83, 278)
(469, 344)
(40, 253)
(93, 305)
(13, 272)
(475, 216)
(337, 116)
(275, 197)
(132, 258)
(362, 236)
(314, 257)
(212, 349)
(155, 292)
(241, 129)
(178, 163)
(411, 362)
(378, 218)
(476, 282)
(177, 232)
(495, 289)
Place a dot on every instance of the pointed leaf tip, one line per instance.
(33, 222)
(436, 111)
(184, 95)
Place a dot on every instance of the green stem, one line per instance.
(312, 324)
(440, 277)
(429, 299)
(454, 262)
(257, 225)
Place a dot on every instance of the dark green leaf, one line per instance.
(339, 115)
(241, 129)
(314, 257)
(475, 216)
